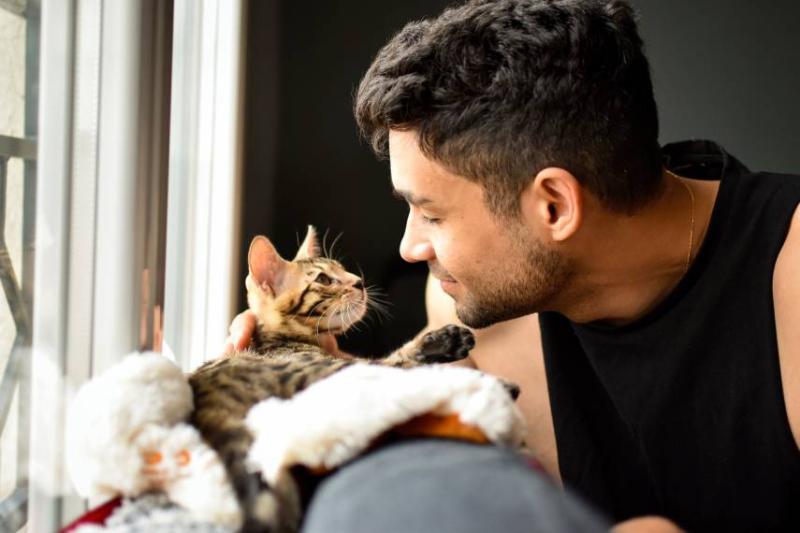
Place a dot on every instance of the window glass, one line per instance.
(18, 72)
(12, 73)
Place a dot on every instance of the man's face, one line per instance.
(494, 269)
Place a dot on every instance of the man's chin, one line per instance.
(476, 316)
(476, 320)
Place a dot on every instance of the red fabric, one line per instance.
(97, 516)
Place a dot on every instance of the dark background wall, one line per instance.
(728, 70)
(723, 69)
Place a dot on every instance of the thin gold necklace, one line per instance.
(691, 229)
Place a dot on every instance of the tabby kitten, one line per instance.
(294, 302)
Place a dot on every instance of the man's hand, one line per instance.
(240, 332)
(240, 335)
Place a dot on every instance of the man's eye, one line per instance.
(430, 220)
(323, 279)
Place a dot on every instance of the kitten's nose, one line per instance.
(359, 285)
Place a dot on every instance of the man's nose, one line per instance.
(415, 247)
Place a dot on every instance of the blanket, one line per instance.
(339, 418)
(129, 434)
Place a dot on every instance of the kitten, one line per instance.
(294, 302)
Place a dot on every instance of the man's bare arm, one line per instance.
(786, 297)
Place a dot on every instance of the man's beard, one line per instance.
(527, 288)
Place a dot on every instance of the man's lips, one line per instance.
(448, 286)
(440, 275)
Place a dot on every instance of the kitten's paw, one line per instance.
(445, 345)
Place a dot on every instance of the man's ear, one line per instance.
(310, 246)
(267, 267)
(554, 201)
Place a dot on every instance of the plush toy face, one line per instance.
(175, 460)
(161, 468)
(127, 436)
(166, 453)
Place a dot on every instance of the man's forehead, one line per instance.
(403, 139)
(415, 178)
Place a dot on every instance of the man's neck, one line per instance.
(632, 263)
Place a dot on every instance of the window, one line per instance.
(118, 117)
(100, 212)
(202, 232)
(18, 100)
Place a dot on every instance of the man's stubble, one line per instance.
(530, 283)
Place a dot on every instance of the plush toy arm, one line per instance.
(338, 418)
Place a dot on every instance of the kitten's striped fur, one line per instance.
(294, 302)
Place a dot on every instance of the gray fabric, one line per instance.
(445, 487)
(151, 513)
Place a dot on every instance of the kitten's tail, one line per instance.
(263, 510)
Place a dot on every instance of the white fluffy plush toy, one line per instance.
(127, 435)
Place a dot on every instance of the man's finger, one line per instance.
(236, 323)
(241, 330)
(241, 340)
(228, 349)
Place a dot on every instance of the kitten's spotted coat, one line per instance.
(294, 302)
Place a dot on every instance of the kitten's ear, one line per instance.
(310, 246)
(267, 267)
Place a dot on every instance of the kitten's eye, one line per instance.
(323, 279)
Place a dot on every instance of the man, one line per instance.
(663, 376)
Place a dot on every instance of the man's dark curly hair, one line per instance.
(499, 90)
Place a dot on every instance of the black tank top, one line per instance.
(681, 414)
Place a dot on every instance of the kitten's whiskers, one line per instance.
(321, 318)
(378, 304)
(330, 253)
(324, 241)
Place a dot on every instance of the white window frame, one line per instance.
(92, 303)
(205, 168)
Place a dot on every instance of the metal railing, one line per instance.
(18, 285)
(17, 293)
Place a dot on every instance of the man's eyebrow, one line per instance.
(411, 198)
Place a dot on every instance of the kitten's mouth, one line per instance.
(347, 315)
